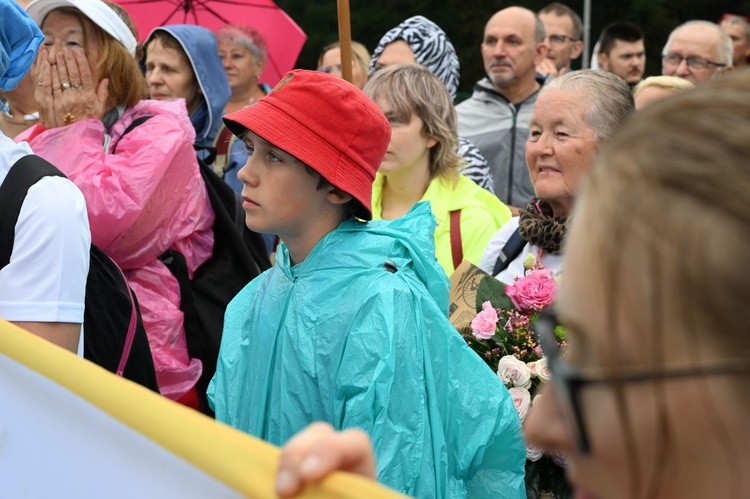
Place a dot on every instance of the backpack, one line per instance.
(114, 337)
(239, 255)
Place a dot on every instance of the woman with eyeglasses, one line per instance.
(651, 397)
(243, 53)
(329, 61)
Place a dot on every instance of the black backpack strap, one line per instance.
(509, 252)
(132, 126)
(26, 172)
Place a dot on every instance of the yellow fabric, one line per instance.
(245, 464)
(482, 214)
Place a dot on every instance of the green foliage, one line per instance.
(493, 291)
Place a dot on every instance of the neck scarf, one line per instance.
(539, 227)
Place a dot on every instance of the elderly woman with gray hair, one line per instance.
(243, 54)
(574, 114)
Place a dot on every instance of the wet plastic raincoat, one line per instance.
(144, 195)
(357, 335)
(482, 214)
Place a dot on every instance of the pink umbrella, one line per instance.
(283, 37)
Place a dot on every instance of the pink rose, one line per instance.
(532, 368)
(542, 369)
(522, 400)
(484, 324)
(533, 292)
(512, 371)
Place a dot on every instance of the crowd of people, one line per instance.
(368, 195)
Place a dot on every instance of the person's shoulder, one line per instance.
(480, 95)
(496, 244)
(169, 116)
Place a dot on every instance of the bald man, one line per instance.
(495, 118)
(697, 51)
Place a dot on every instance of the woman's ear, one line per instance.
(337, 196)
(431, 142)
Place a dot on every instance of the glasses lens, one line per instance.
(557, 39)
(696, 64)
(564, 381)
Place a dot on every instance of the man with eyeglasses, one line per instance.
(621, 51)
(697, 51)
(563, 28)
(496, 116)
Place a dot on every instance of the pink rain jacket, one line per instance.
(143, 199)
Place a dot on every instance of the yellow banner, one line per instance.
(241, 463)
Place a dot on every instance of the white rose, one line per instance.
(532, 368)
(512, 371)
(522, 400)
(542, 370)
(533, 453)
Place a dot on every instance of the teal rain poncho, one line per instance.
(340, 338)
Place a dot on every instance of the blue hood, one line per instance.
(203, 53)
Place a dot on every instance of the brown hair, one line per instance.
(126, 83)
(561, 10)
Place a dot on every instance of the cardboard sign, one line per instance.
(463, 298)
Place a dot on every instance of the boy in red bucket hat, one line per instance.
(350, 325)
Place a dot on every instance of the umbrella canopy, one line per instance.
(283, 37)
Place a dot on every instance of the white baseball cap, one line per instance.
(97, 11)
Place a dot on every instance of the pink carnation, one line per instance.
(484, 324)
(533, 292)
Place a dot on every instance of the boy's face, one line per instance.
(279, 195)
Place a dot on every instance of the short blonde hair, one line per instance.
(411, 88)
(360, 55)
(673, 83)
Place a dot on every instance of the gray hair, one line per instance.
(724, 48)
(539, 33)
(608, 98)
(738, 20)
(246, 37)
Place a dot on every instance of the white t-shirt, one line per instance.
(45, 280)
(515, 269)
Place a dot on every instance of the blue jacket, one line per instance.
(341, 338)
(203, 53)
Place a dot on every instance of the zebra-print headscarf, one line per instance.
(431, 46)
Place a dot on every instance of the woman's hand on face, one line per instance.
(319, 450)
(66, 91)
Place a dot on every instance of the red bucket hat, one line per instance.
(325, 122)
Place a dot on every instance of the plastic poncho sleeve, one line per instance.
(439, 418)
(140, 200)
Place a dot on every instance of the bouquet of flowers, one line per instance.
(501, 334)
